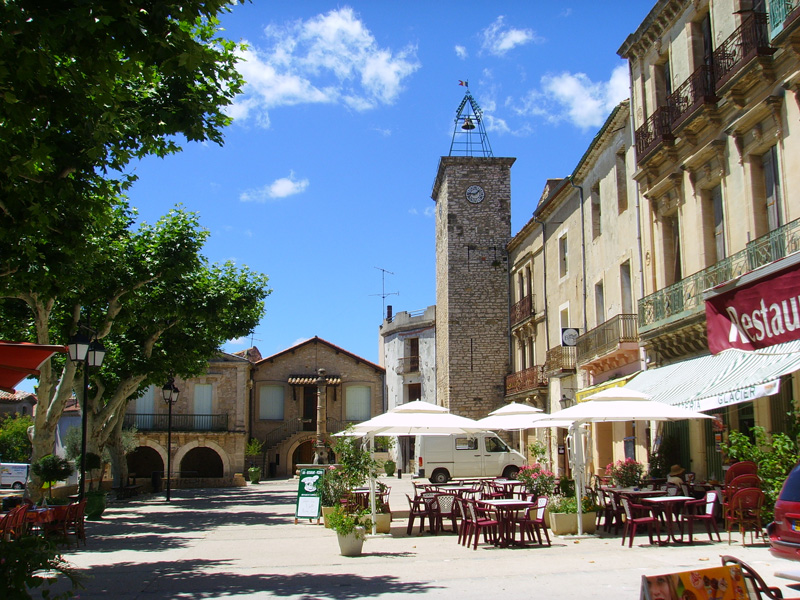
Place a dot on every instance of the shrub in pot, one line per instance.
(350, 528)
(50, 469)
(563, 514)
(389, 467)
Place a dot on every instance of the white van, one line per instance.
(14, 475)
(443, 457)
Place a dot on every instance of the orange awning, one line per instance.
(19, 360)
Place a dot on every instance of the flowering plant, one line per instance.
(627, 473)
(569, 504)
(537, 479)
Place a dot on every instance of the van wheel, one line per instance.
(17, 486)
(439, 476)
(510, 472)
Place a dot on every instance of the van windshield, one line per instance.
(494, 444)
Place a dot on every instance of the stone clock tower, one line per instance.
(473, 226)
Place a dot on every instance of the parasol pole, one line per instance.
(371, 442)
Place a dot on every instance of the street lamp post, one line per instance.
(170, 393)
(91, 354)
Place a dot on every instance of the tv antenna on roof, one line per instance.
(384, 293)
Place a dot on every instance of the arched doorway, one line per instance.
(201, 462)
(144, 461)
(303, 455)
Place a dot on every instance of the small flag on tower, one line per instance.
(464, 82)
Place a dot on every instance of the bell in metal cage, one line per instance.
(468, 124)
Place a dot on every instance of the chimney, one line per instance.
(389, 313)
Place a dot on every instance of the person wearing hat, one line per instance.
(675, 473)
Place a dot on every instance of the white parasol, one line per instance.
(612, 405)
(513, 417)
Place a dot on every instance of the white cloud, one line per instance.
(430, 211)
(461, 52)
(330, 58)
(498, 38)
(575, 98)
(280, 188)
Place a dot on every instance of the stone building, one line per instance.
(209, 427)
(408, 353)
(285, 410)
(716, 108)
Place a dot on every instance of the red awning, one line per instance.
(18, 360)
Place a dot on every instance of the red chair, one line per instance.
(612, 513)
(749, 480)
(702, 510)
(745, 513)
(420, 508)
(757, 588)
(743, 467)
(17, 525)
(475, 523)
(74, 522)
(636, 516)
(444, 507)
(533, 521)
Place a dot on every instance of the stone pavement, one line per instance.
(243, 543)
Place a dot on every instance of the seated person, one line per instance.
(675, 473)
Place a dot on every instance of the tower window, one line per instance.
(562, 256)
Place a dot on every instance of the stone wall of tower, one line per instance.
(472, 283)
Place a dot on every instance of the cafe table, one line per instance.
(509, 486)
(667, 506)
(506, 510)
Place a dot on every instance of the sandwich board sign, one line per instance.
(308, 500)
(715, 583)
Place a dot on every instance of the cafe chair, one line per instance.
(703, 510)
(533, 521)
(420, 508)
(744, 513)
(17, 524)
(757, 588)
(743, 467)
(444, 507)
(613, 513)
(637, 515)
(476, 523)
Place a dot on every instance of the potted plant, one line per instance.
(95, 499)
(50, 469)
(389, 467)
(383, 515)
(625, 473)
(251, 451)
(564, 515)
(350, 528)
(538, 480)
(332, 490)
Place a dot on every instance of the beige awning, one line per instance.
(312, 380)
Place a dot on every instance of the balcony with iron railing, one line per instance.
(408, 364)
(654, 132)
(746, 43)
(522, 310)
(526, 380)
(685, 298)
(608, 338)
(695, 92)
(783, 16)
(190, 422)
(560, 361)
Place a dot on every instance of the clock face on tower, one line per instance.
(475, 194)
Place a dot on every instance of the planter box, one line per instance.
(567, 523)
(383, 523)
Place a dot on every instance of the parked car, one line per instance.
(443, 457)
(14, 475)
(784, 531)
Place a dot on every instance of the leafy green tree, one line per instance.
(50, 469)
(15, 445)
(86, 87)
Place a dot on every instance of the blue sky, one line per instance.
(326, 173)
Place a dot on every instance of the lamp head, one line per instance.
(78, 346)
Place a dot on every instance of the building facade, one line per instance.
(209, 428)
(286, 414)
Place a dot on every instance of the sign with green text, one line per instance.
(308, 500)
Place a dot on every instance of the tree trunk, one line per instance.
(119, 466)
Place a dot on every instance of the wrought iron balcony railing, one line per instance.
(743, 45)
(190, 422)
(408, 364)
(607, 336)
(685, 298)
(782, 14)
(654, 131)
(522, 310)
(561, 359)
(525, 380)
(691, 95)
